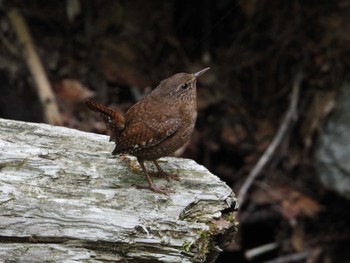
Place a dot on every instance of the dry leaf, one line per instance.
(71, 90)
(299, 205)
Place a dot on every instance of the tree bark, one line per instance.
(64, 197)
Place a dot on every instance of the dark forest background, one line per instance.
(258, 50)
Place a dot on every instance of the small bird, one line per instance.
(157, 125)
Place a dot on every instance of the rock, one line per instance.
(332, 154)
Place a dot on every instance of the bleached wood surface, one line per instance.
(65, 198)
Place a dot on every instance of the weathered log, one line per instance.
(64, 197)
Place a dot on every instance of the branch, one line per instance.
(290, 258)
(43, 87)
(291, 116)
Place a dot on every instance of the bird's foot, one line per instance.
(168, 176)
(159, 190)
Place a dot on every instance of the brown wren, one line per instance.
(157, 125)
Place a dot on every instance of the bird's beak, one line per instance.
(197, 74)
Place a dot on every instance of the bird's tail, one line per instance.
(114, 120)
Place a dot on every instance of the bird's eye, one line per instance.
(184, 86)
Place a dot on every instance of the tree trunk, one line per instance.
(64, 197)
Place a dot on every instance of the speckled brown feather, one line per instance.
(157, 125)
(142, 135)
(114, 120)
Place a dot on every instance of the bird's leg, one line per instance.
(162, 173)
(150, 182)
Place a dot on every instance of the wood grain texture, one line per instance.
(64, 197)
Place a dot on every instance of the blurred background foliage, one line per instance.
(117, 51)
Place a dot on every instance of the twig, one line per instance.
(46, 96)
(290, 258)
(291, 115)
(257, 251)
(8, 44)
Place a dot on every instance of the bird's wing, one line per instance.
(142, 134)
